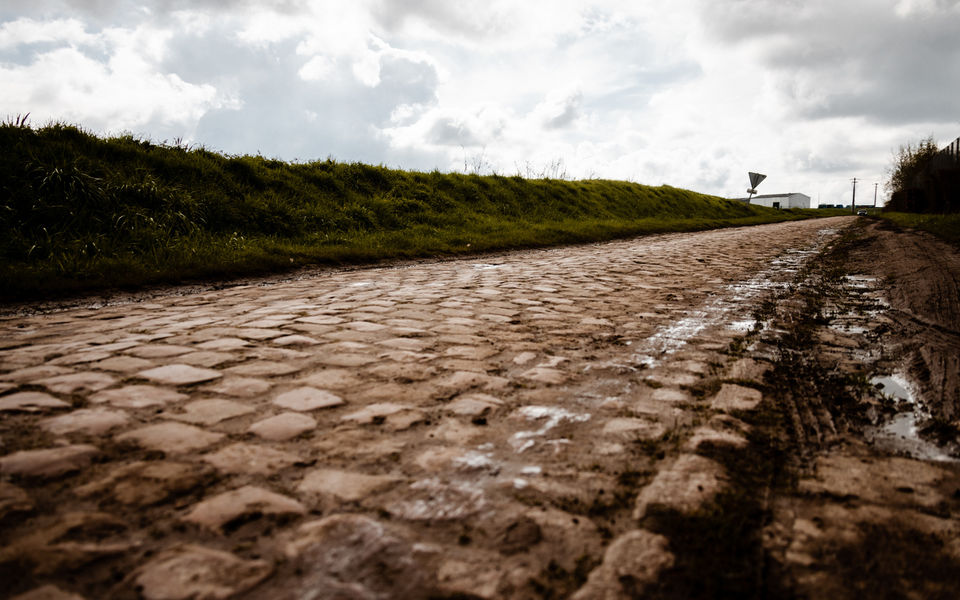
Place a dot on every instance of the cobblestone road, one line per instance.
(492, 427)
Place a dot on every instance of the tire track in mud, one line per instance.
(855, 510)
(526, 426)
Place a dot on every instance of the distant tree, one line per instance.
(908, 163)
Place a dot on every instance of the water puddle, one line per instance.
(551, 417)
(901, 434)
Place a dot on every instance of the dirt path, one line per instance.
(866, 381)
(571, 422)
(921, 276)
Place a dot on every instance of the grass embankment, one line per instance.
(80, 213)
(945, 227)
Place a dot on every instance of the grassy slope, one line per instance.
(945, 227)
(78, 212)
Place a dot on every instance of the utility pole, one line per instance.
(875, 194)
(853, 204)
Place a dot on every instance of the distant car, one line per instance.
(862, 213)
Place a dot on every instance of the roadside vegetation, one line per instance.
(80, 213)
(925, 179)
(945, 227)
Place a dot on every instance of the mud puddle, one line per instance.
(903, 433)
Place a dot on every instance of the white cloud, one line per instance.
(693, 93)
(29, 31)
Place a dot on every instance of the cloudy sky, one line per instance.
(691, 93)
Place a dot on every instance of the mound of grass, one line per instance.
(80, 212)
(945, 227)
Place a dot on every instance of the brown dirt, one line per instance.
(852, 519)
(921, 276)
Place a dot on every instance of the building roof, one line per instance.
(780, 195)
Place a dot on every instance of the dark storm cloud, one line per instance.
(853, 59)
(461, 19)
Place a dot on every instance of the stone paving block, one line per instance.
(48, 462)
(67, 544)
(407, 343)
(671, 395)
(251, 459)
(634, 428)
(190, 572)
(433, 499)
(206, 358)
(80, 358)
(123, 364)
(473, 405)
(137, 396)
(268, 323)
(321, 320)
(171, 438)
(30, 374)
(524, 358)
(462, 364)
(402, 371)
(460, 381)
(263, 368)
(295, 340)
(90, 421)
(364, 326)
(158, 351)
(31, 402)
(216, 512)
(259, 335)
(471, 352)
(241, 387)
(686, 485)
(346, 359)
(546, 375)
(343, 485)
(736, 397)
(78, 383)
(400, 393)
(179, 374)
(673, 378)
(354, 556)
(13, 499)
(307, 399)
(223, 344)
(210, 412)
(283, 427)
(708, 436)
(146, 483)
(47, 592)
(375, 412)
(631, 564)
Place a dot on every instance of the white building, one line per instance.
(792, 200)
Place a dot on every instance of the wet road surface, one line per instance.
(493, 427)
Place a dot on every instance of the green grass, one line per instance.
(945, 227)
(80, 212)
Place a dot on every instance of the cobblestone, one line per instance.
(462, 427)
